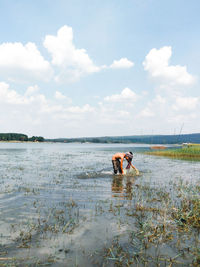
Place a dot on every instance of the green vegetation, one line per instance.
(140, 139)
(36, 139)
(163, 230)
(159, 227)
(13, 137)
(19, 137)
(191, 152)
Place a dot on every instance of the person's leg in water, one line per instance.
(119, 166)
(115, 166)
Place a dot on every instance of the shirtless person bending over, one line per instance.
(117, 161)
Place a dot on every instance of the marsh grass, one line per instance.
(157, 226)
(190, 153)
(167, 229)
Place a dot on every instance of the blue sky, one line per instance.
(96, 68)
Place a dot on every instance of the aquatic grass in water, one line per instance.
(57, 215)
(191, 153)
(164, 236)
(156, 227)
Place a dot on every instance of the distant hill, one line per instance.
(142, 139)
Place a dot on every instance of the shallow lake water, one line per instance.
(68, 186)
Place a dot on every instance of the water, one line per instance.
(37, 178)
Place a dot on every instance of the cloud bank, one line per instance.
(55, 112)
(21, 62)
(157, 65)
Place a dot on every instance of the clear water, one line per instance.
(49, 174)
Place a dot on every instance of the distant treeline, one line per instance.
(20, 137)
(142, 139)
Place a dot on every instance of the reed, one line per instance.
(192, 153)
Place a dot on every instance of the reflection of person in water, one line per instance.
(129, 187)
(122, 187)
(117, 186)
(117, 161)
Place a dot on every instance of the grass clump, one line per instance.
(188, 213)
(192, 153)
(162, 228)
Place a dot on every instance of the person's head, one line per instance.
(129, 156)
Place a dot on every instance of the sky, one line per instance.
(74, 68)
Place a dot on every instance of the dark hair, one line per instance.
(129, 155)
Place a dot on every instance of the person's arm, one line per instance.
(137, 171)
(122, 165)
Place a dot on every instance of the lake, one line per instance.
(61, 205)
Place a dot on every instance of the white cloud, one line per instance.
(154, 108)
(40, 115)
(59, 95)
(31, 90)
(157, 64)
(127, 95)
(123, 63)
(77, 109)
(23, 62)
(187, 103)
(182, 118)
(123, 113)
(50, 108)
(10, 96)
(65, 55)
(39, 102)
(159, 99)
(50, 118)
(147, 112)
